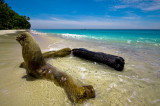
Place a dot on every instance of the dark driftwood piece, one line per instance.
(115, 62)
(53, 54)
(37, 67)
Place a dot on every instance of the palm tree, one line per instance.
(28, 18)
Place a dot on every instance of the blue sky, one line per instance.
(90, 14)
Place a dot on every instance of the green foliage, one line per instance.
(10, 19)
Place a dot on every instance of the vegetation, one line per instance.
(9, 19)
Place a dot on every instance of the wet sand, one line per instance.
(138, 84)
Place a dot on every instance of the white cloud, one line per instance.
(145, 5)
(121, 6)
(130, 18)
(94, 23)
(152, 7)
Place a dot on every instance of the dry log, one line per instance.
(37, 67)
(53, 54)
(60, 53)
(115, 62)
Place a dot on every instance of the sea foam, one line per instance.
(37, 33)
(73, 35)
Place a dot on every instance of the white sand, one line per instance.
(4, 32)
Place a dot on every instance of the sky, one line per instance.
(89, 14)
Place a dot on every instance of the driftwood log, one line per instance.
(115, 62)
(37, 67)
(59, 53)
(52, 54)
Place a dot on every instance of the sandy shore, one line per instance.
(5, 32)
(137, 85)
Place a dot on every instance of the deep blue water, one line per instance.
(128, 36)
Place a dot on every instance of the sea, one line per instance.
(138, 84)
(149, 37)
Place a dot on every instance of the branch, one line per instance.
(52, 54)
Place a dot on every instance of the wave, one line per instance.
(37, 33)
(78, 36)
(104, 38)
(73, 35)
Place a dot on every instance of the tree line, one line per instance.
(9, 19)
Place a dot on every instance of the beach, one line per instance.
(138, 84)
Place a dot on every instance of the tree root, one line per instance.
(36, 66)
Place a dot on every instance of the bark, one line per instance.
(115, 62)
(53, 54)
(60, 53)
(37, 67)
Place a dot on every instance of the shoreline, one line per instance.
(143, 54)
(140, 61)
(91, 36)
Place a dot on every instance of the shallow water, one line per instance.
(138, 84)
(151, 37)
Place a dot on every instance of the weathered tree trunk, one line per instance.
(52, 54)
(37, 67)
(60, 53)
(115, 62)
(31, 54)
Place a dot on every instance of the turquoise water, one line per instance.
(128, 36)
(141, 74)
